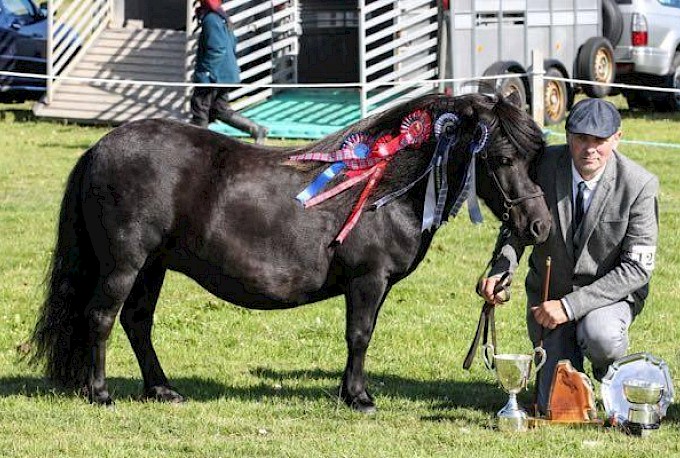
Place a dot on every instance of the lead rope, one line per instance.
(487, 316)
(546, 287)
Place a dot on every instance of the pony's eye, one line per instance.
(502, 161)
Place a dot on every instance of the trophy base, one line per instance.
(513, 424)
(639, 429)
(512, 418)
(643, 414)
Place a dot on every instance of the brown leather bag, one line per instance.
(571, 396)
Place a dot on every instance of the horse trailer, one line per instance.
(495, 37)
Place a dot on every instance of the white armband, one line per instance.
(643, 255)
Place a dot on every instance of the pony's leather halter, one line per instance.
(508, 203)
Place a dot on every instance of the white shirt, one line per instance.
(588, 192)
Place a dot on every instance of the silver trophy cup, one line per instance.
(512, 372)
(644, 397)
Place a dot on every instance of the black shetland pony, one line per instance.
(155, 195)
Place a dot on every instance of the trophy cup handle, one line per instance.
(488, 361)
(540, 351)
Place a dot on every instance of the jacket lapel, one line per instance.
(563, 196)
(598, 203)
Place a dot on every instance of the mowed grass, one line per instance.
(264, 384)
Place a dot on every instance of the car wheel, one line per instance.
(512, 88)
(670, 101)
(612, 21)
(595, 62)
(555, 98)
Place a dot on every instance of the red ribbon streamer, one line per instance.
(376, 175)
(339, 188)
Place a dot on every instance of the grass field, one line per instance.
(263, 384)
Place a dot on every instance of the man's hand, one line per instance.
(550, 314)
(494, 289)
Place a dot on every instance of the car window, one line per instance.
(673, 3)
(20, 7)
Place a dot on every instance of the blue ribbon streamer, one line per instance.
(437, 184)
(361, 150)
(474, 211)
(464, 191)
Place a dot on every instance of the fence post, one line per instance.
(49, 56)
(537, 89)
(118, 13)
(363, 90)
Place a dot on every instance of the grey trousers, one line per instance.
(601, 336)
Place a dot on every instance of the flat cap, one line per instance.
(595, 117)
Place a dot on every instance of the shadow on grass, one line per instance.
(314, 384)
(444, 394)
(673, 414)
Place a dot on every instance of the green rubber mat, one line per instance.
(301, 113)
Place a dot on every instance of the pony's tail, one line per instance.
(59, 341)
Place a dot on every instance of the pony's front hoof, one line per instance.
(362, 403)
(101, 398)
(163, 393)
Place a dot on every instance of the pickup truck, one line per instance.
(648, 52)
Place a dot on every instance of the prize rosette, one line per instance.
(481, 138)
(446, 125)
(357, 145)
(415, 128)
(354, 148)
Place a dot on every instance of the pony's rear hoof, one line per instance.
(163, 393)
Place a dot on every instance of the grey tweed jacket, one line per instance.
(611, 256)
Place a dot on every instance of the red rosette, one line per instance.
(415, 128)
(384, 146)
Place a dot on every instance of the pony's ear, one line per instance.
(514, 98)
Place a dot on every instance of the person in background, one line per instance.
(602, 246)
(216, 63)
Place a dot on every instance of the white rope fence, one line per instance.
(551, 133)
(537, 78)
(369, 85)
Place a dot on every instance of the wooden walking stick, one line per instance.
(539, 347)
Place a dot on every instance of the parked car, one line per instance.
(23, 32)
(648, 52)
